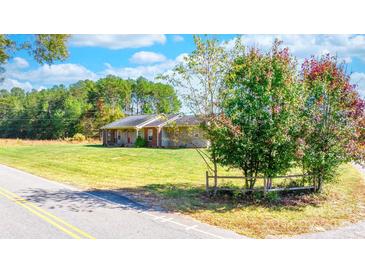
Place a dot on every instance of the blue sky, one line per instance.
(131, 56)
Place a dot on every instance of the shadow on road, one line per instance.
(84, 201)
(159, 197)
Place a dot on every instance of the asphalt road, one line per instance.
(34, 208)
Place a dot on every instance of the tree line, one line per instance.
(83, 107)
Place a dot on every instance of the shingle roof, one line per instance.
(163, 119)
(130, 121)
(187, 120)
(155, 121)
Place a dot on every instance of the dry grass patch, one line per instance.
(340, 203)
(29, 142)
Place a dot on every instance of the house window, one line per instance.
(150, 134)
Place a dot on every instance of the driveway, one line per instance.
(34, 208)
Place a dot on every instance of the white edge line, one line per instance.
(159, 217)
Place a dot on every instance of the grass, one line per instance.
(174, 179)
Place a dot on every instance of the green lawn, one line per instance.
(100, 167)
(174, 179)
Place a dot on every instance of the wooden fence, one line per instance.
(267, 186)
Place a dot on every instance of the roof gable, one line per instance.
(162, 120)
(187, 120)
(133, 121)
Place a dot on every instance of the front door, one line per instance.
(128, 137)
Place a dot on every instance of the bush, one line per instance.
(140, 142)
(79, 137)
(272, 197)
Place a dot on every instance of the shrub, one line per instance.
(79, 137)
(272, 197)
(140, 142)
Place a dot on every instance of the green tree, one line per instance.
(333, 117)
(48, 48)
(200, 80)
(115, 91)
(149, 97)
(108, 99)
(44, 48)
(257, 129)
(165, 99)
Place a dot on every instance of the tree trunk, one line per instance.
(246, 180)
(319, 183)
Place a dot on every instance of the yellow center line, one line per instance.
(52, 219)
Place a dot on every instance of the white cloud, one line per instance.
(147, 57)
(178, 38)
(20, 62)
(181, 58)
(9, 83)
(148, 71)
(303, 46)
(70, 73)
(52, 75)
(358, 79)
(15, 64)
(120, 41)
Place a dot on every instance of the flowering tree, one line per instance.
(256, 131)
(333, 119)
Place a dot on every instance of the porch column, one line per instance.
(157, 133)
(104, 136)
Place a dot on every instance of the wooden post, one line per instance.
(206, 182)
(315, 183)
(215, 181)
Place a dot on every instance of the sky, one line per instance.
(131, 56)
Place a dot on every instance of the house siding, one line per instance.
(186, 138)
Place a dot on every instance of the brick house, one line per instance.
(158, 130)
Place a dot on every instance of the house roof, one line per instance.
(155, 120)
(131, 121)
(187, 120)
(162, 120)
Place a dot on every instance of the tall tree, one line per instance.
(200, 80)
(115, 91)
(149, 97)
(257, 129)
(334, 114)
(200, 76)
